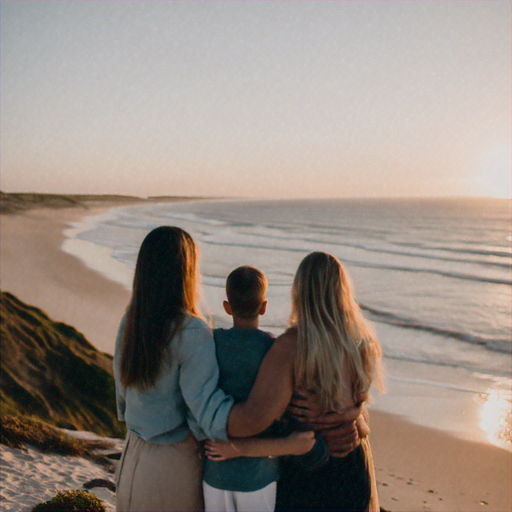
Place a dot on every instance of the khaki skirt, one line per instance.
(159, 477)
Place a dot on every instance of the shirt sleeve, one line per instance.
(120, 391)
(199, 380)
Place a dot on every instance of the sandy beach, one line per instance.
(36, 270)
(418, 468)
(30, 476)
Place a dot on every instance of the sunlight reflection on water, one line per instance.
(495, 418)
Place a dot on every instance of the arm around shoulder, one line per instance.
(271, 391)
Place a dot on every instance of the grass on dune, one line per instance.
(53, 371)
(23, 431)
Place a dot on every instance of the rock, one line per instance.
(100, 482)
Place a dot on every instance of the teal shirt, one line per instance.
(239, 354)
(186, 396)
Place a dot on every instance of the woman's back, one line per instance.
(185, 395)
(166, 379)
(337, 356)
(337, 352)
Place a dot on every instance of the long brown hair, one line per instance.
(336, 347)
(165, 289)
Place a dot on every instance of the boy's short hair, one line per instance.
(246, 288)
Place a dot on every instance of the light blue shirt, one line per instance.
(186, 395)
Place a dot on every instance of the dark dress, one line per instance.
(341, 484)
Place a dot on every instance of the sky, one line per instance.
(277, 99)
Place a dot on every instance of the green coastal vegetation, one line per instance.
(22, 431)
(71, 501)
(53, 378)
(50, 372)
(15, 203)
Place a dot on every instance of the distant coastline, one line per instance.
(19, 202)
(13, 203)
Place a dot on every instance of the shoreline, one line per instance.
(422, 393)
(417, 467)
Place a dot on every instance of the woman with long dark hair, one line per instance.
(167, 391)
(166, 379)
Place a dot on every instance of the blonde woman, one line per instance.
(329, 350)
(339, 357)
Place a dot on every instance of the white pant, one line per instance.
(218, 500)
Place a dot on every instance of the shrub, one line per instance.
(18, 431)
(71, 501)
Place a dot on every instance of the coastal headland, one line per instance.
(418, 468)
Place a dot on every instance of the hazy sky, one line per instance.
(256, 98)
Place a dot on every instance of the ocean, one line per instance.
(432, 275)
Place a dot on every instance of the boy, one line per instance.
(242, 484)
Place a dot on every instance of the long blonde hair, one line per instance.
(333, 336)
